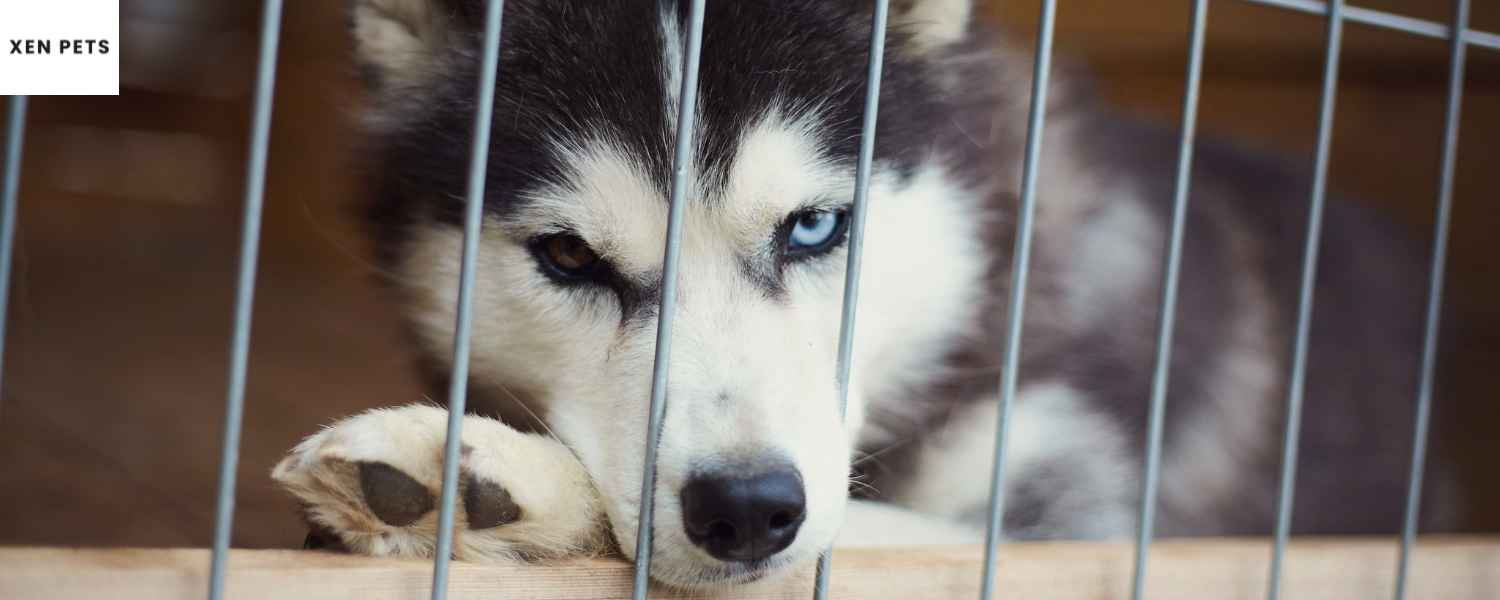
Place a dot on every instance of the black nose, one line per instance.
(743, 518)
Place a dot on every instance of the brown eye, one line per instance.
(567, 255)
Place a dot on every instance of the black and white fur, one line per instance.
(583, 129)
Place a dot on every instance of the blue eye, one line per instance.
(815, 231)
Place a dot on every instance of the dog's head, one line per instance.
(754, 456)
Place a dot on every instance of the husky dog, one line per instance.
(755, 461)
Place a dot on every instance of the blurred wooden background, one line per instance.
(114, 379)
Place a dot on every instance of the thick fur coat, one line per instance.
(579, 174)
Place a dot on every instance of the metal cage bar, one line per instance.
(1387, 20)
(458, 384)
(239, 348)
(1020, 268)
(682, 166)
(1167, 319)
(1295, 386)
(857, 215)
(1457, 55)
(10, 191)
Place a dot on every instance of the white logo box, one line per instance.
(60, 47)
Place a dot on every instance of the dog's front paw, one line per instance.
(372, 482)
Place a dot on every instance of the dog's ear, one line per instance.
(398, 43)
(932, 23)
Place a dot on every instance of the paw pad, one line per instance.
(370, 484)
(488, 505)
(398, 500)
(394, 497)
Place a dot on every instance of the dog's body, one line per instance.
(569, 281)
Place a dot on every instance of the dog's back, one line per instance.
(1105, 204)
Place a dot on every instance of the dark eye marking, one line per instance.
(569, 261)
(567, 258)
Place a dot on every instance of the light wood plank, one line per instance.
(1456, 568)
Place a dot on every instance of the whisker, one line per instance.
(864, 486)
(531, 413)
(322, 231)
(869, 456)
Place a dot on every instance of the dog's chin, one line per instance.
(722, 575)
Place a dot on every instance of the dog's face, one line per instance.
(754, 455)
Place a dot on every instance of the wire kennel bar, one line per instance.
(239, 346)
(1458, 34)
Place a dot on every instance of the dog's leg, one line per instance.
(1070, 471)
(373, 482)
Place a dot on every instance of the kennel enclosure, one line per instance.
(1461, 564)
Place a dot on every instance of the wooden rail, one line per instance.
(1449, 568)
